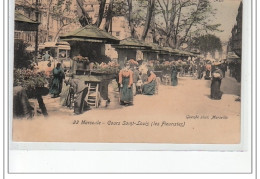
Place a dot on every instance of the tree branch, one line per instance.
(100, 13)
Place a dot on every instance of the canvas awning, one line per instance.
(90, 33)
(23, 23)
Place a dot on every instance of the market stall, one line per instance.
(127, 49)
(152, 54)
(89, 61)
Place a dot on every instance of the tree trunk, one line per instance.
(176, 32)
(190, 26)
(48, 21)
(109, 16)
(84, 18)
(100, 13)
(149, 15)
(153, 29)
(131, 24)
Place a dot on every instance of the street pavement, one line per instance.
(177, 114)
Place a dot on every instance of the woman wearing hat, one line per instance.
(217, 76)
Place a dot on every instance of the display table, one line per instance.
(103, 79)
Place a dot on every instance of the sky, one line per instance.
(226, 16)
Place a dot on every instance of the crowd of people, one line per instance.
(134, 78)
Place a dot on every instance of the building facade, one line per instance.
(50, 26)
(235, 42)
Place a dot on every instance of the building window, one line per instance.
(117, 33)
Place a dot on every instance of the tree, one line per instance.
(101, 12)
(198, 18)
(83, 15)
(22, 58)
(182, 19)
(48, 19)
(130, 18)
(62, 12)
(149, 14)
(207, 43)
(109, 16)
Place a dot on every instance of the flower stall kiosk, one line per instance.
(89, 61)
(127, 49)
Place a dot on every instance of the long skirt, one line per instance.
(149, 89)
(65, 96)
(126, 94)
(56, 86)
(80, 101)
(207, 76)
(174, 79)
(215, 89)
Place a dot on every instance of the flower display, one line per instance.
(133, 62)
(29, 79)
(108, 68)
(80, 59)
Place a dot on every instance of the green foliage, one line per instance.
(61, 10)
(22, 58)
(29, 79)
(120, 8)
(207, 43)
(183, 19)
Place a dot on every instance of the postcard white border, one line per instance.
(37, 161)
(245, 109)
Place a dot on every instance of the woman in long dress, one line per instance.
(174, 78)
(58, 76)
(208, 70)
(149, 85)
(217, 76)
(126, 82)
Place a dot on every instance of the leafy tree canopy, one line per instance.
(207, 43)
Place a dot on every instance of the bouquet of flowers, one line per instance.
(29, 79)
(165, 66)
(108, 68)
(80, 59)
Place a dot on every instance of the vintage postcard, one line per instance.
(127, 71)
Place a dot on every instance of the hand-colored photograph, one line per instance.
(127, 71)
